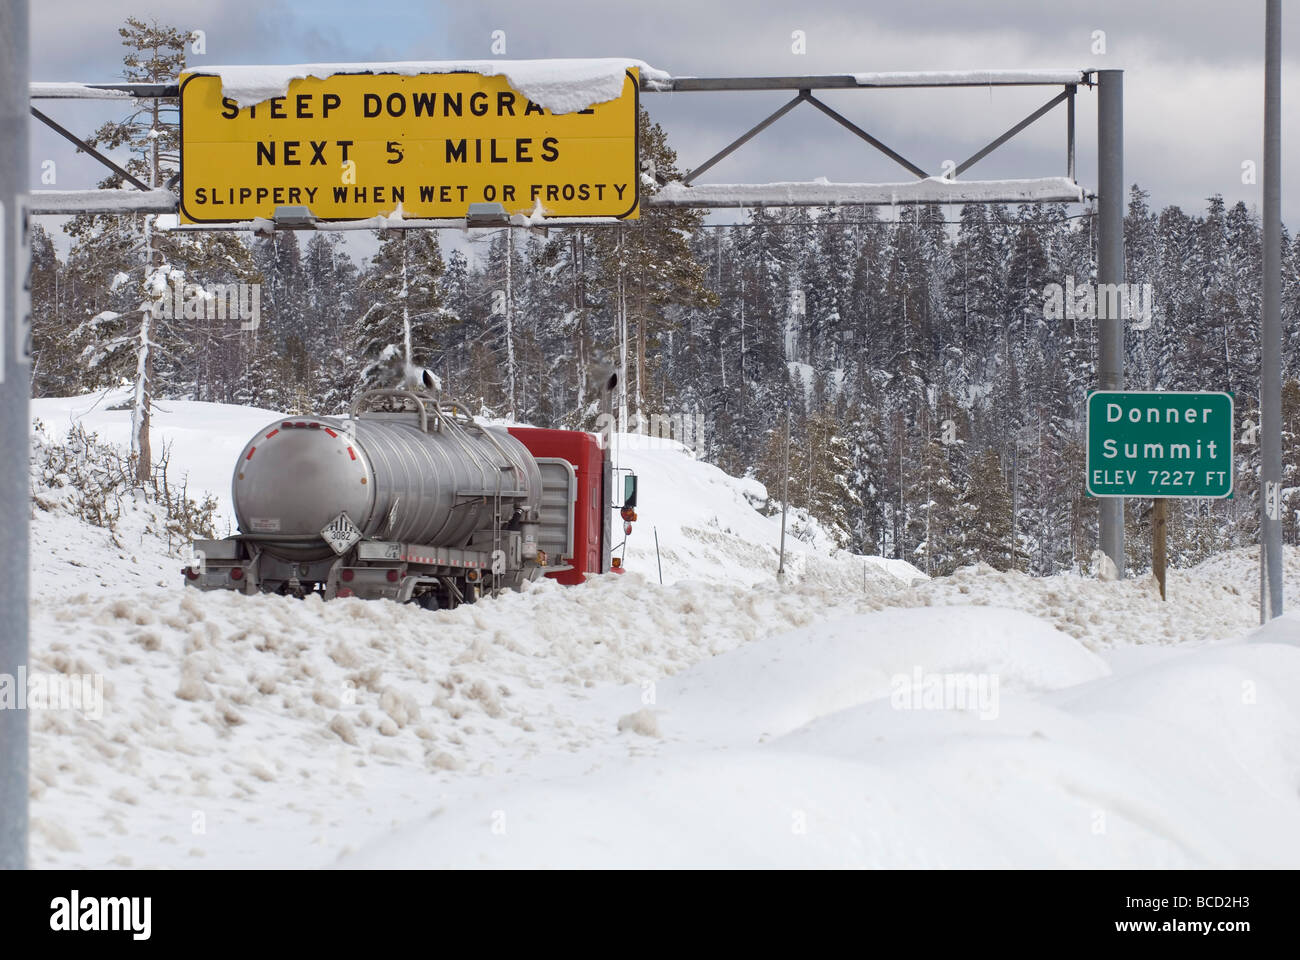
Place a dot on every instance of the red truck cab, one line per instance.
(589, 492)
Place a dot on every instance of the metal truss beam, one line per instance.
(854, 128)
(983, 152)
(747, 135)
(84, 147)
(1069, 79)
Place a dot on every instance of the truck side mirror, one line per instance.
(629, 490)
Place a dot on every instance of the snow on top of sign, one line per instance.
(822, 191)
(966, 77)
(561, 86)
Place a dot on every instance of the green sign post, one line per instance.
(1159, 444)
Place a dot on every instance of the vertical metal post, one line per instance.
(1110, 269)
(15, 499)
(1270, 339)
(785, 494)
(1069, 130)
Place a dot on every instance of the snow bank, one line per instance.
(1285, 629)
(1213, 601)
(1165, 767)
(561, 86)
(710, 528)
(205, 438)
(768, 689)
(722, 719)
(297, 727)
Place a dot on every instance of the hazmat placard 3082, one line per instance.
(353, 146)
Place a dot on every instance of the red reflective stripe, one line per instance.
(273, 433)
(352, 453)
(251, 451)
(330, 432)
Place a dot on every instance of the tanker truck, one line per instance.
(409, 498)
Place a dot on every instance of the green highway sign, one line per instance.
(1159, 443)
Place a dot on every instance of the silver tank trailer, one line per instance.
(423, 477)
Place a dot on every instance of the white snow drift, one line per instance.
(856, 715)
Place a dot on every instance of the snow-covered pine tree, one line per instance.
(54, 364)
(330, 279)
(645, 268)
(985, 514)
(401, 316)
(822, 461)
(935, 530)
(155, 53)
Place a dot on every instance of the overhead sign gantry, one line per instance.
(442, 136)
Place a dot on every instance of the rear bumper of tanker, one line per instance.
(378, 570)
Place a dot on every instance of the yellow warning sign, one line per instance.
(353, 146)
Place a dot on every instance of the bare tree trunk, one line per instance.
(622, 339)
(640, 359)
(408, 361)
(144, 364)
(510, 323)
(580, 321)
(141, 406)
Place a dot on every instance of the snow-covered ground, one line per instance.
(858, 716)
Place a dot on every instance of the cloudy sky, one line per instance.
(1193, 81)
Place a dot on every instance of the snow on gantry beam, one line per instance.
(100, 91)
(911, 78)
(559, 85)
(819, 193)
(971, 78)
(69, 202)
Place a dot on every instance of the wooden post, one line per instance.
(1159, 529)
